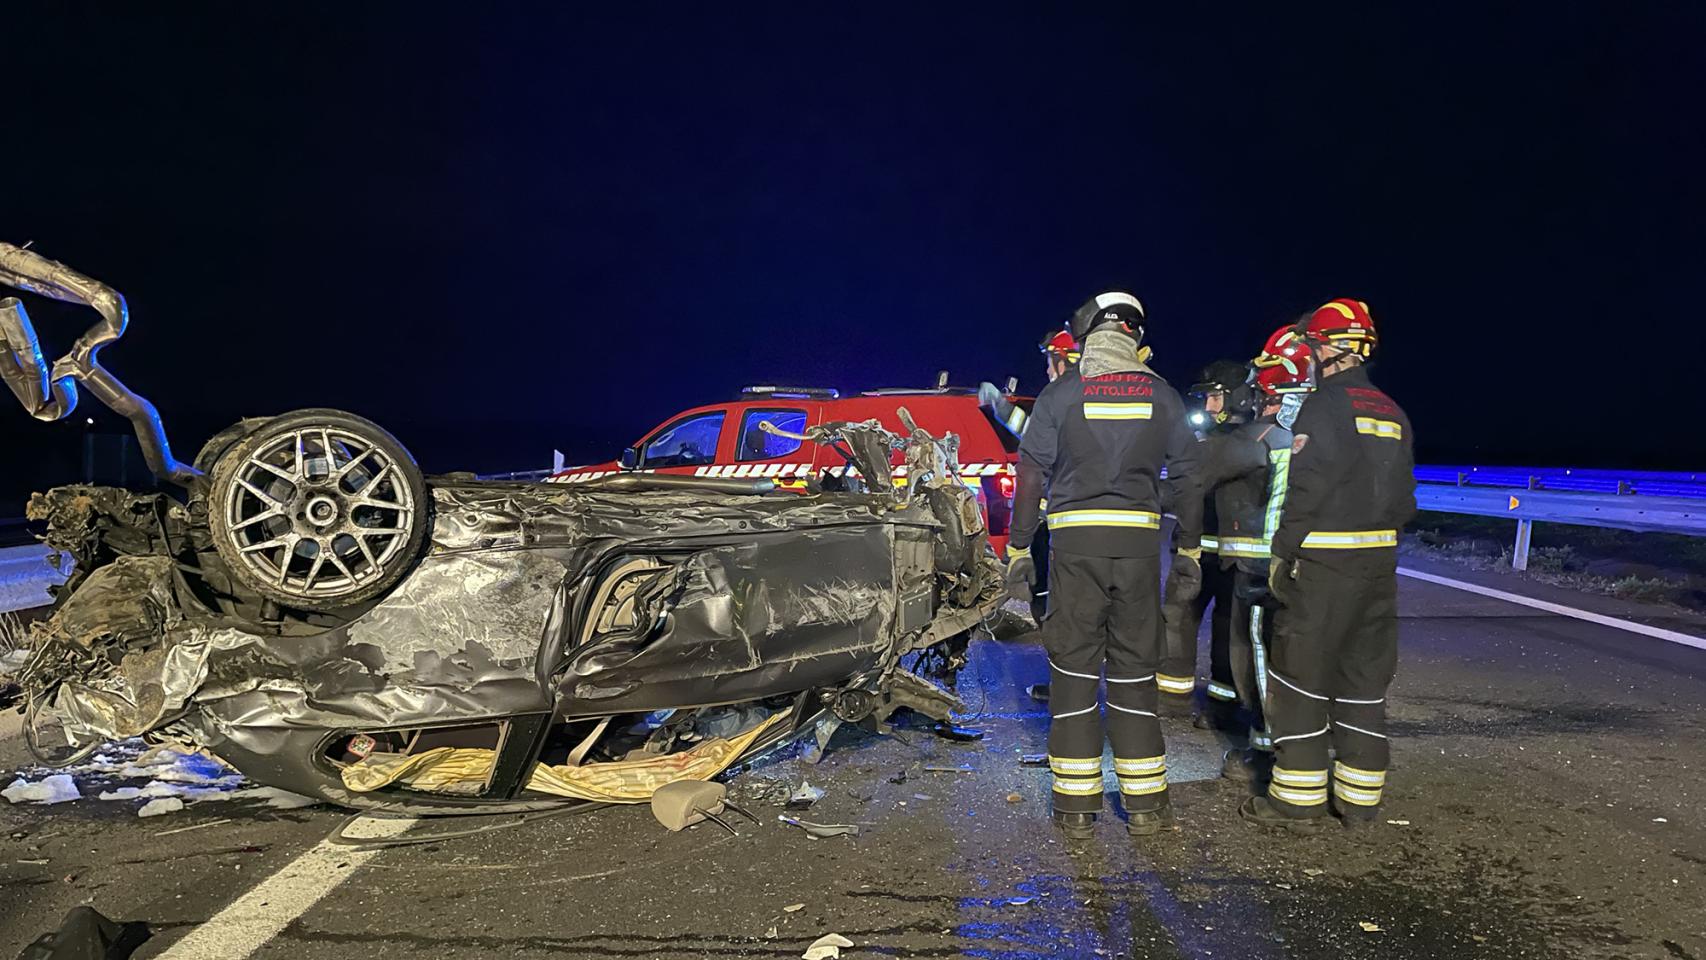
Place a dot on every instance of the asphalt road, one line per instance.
(1545, 802)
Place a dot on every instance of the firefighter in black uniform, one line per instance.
(1220, 406)
(1351, 488)
(1097, 440)
(1242, 469)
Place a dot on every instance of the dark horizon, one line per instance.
(498, 236)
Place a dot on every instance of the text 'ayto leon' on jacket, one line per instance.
(1095, 448)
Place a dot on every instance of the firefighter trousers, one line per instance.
(1104, 616)
(1334, 654)
(1177, 674)
(1252, 632)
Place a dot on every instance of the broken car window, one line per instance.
(755, 444)
(687, 442)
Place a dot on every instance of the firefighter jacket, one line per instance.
(1237, 469)
(1351, 484)
(1095, 447)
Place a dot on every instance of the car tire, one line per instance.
(317, 510)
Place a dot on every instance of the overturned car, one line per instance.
(312, 610)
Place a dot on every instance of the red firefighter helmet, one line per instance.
(1286, 364)
(1061, 344)
(1343, 323)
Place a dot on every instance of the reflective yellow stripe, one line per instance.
(1366, 778)
(1244, 547)
(1175, 684)
(1221, 691)
(1067, 765)
(1362, 798)
(1139, 786)
(1118, 411)
(1142, 519)
(1142, 767)
(1384, 429)
(1351, 539)
(1298, 798)
(1078, 788)
(1300, 778)
(1016, 420)
(1210, 545)
(1020, 552)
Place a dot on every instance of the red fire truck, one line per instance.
(725, 440)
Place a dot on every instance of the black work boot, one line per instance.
(1221, 715)
(1354, 816)
(1261, 812)
(1076, 826)
(1148, 823)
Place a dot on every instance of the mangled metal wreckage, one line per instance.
(312, 610)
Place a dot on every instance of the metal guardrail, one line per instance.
(534, 475)
(1647, 514)
(1619, 482)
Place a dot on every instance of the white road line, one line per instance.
(1699, 643)
(259, 915)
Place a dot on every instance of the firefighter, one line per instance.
(1221, 405)
(1059, 352)
(1333, 572)
(1095, 446)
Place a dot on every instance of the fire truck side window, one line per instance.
(755, 444)
(687, 442)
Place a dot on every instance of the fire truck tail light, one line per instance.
(1006, 484)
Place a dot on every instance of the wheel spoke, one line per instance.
(260, 494)
(367, 552)
(314, 569)
(338, 562)
(301, 467)
(326, 447)
(357, 459)
(283, 541)
(276, 471)
(257, 518)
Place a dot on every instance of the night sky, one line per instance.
(497, 236)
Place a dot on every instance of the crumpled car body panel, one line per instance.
(757, 596)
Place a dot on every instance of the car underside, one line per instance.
(309, 608)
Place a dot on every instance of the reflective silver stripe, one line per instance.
(1341, 723)
(1063, 716)
(1086, 676)
(1118, 411)
(1143, 679)
(1365, 798)
(1141, 713)
(1384, 429)
(1300, 778)
(1066, 765)
(1300, 798)
(1142, 767)
(1348, 700)
(1175, 684)
(1275, 674)
(1351, 539)
(1301, 736)
(1139, 786)
(1210, 544)
(1016, 420)
(1259, 646)
(1221, 691)
(1142, 519)
(1245, 547)
(1078, 787)
(1368, 778)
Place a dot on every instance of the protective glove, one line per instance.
(1282, 574)
(989, 395)
(1185, 580)
(1021, 573)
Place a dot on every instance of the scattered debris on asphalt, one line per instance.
(793, 908)
(1015, 798)
(1034, 760)
(957, 734)
(804, 796)
(160, 806)
(946, 768)
(1399, 823)
(58, 788)
(198, 826)
(822, 830)
(826, 947)
(1368, 927)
